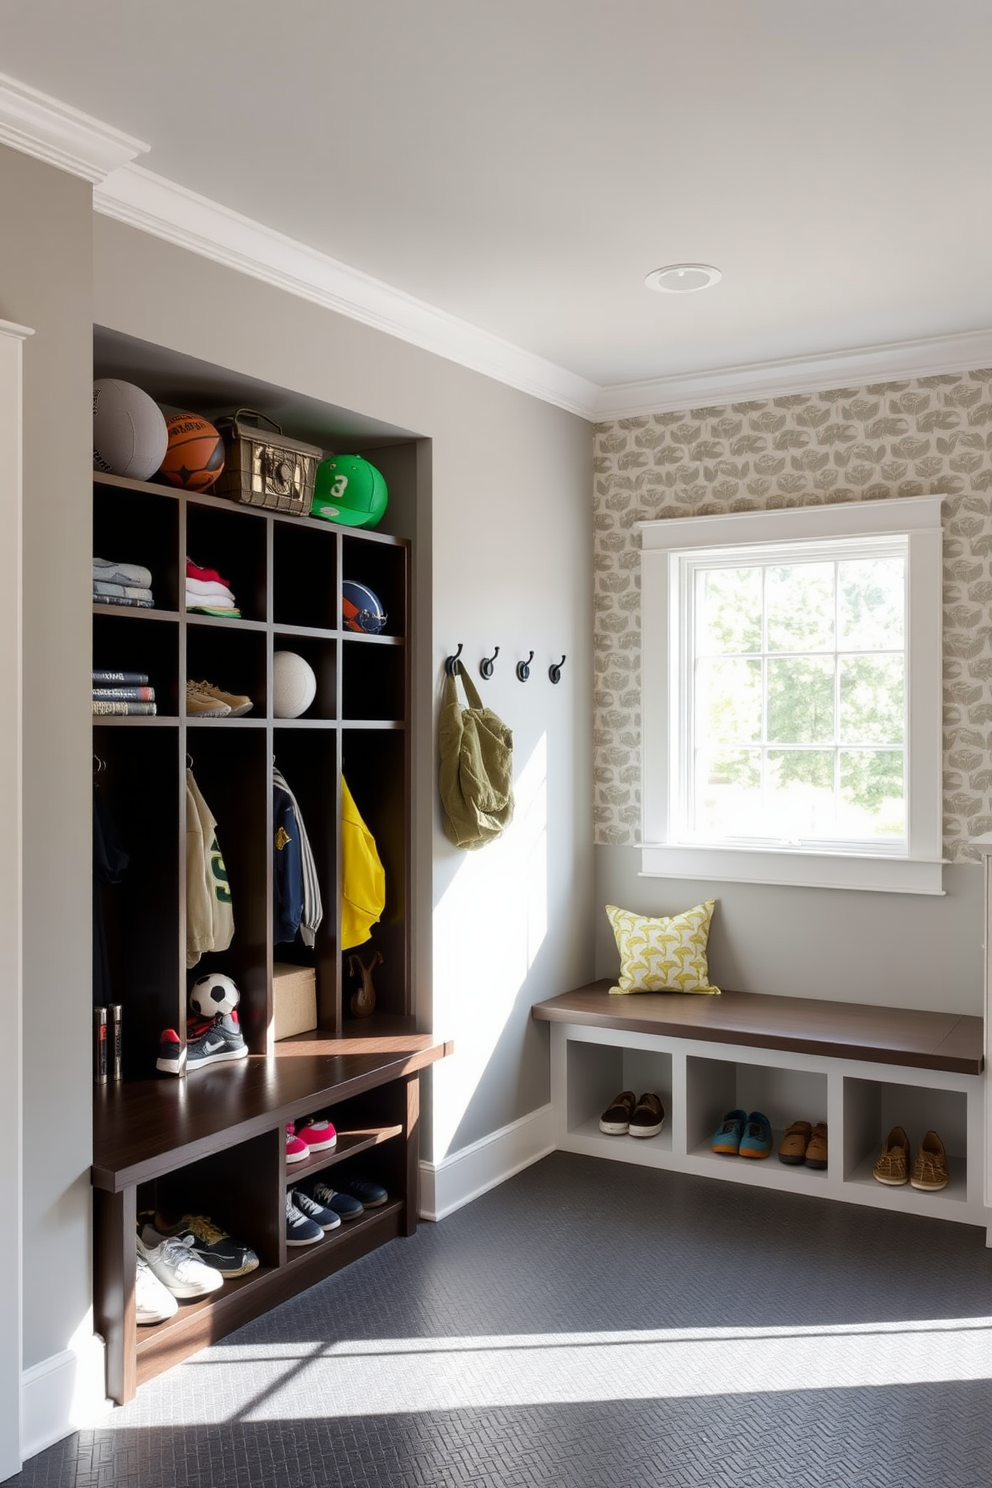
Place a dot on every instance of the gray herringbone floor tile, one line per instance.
(592, 1325)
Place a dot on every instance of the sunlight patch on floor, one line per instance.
(384, 1376)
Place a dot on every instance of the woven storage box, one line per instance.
(262, 467)
(294, 1000)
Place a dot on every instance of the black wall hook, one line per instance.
(486, 664)
(523, 668)
(554, 671)
(451, 663)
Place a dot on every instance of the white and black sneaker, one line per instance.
(179, 1268)
(300, 1229)
(211, 1244)
(223, 1039)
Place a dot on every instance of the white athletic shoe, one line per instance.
(179, 1268)
(153, 1302)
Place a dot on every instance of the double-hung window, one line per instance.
(791, 692)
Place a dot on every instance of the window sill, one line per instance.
(796, 869)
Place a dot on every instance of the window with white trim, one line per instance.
(791, 696)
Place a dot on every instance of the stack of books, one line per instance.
(122, 693)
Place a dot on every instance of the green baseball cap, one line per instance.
(349, 490)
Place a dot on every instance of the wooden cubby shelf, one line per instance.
(213, 1142)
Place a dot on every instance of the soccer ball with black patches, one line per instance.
(213, 994)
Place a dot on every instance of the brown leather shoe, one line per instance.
(615, 1120)
(930, 1168)
(816, 1150)
(792, 1148)
(892, 1164)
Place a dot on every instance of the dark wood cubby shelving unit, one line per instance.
(213, 1142)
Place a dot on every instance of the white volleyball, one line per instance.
(294, 685)
(129, 431)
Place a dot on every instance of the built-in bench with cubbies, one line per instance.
(860, 1069)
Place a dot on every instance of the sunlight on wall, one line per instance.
(488, 927)
(382, 1376)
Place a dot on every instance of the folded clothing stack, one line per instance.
(208, 593)
(122, 584)
(123, 692)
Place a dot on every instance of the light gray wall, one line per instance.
(895, 950)
(45, 282)
(510, 534)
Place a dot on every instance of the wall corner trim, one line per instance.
(63, 1394)
(473, 1170)
(60, 135)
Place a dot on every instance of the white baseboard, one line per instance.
(63, 1394)
(464, 1175)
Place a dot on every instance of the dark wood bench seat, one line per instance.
(838, 1030)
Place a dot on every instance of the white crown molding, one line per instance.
(890, 362)
(41, 126)
(14, 331)
(144, 200)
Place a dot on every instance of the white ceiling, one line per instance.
(520, 165)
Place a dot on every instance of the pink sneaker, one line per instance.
(296, 1149)
(319, 1134)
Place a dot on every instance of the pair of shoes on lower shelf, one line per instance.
(743, 1134)
(628, 1116)
(208, 1041)
(204, 700)
(314, 1211)
(929, 1170)
(312, 1134)
(805, 1142)
(168, 1270)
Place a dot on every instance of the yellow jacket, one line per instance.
(363, 879)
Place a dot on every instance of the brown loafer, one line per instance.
(892, 1164)
(792, 1148)
(930, 1168)
(648, 1116)
(816, 1150)
(615, 1120)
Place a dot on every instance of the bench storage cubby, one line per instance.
(860, 1069)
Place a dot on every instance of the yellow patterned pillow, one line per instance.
(666, 954)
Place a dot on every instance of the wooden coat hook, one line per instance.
(554, 671)
(486, 664)
(523, 668)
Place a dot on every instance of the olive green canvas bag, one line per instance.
(476, 766)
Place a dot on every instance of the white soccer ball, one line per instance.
(129, 430)
(294, 685)
(213, 994)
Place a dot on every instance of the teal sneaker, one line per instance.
(757, 1138)
(727, 1137)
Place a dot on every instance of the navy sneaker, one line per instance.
(365, 1191)
(326, 1218)
(342, 1203)
(300, 1228)
(223, 1039)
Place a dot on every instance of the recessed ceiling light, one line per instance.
(683, 278)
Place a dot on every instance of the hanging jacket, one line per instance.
(296, 897)
(209, 910)
(363, 879)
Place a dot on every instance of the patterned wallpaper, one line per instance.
(926, 436)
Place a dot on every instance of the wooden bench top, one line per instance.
(806, 1025)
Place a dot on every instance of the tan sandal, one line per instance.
(816, 1151)
(792, 1148)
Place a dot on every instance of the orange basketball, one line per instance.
(195, 454)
